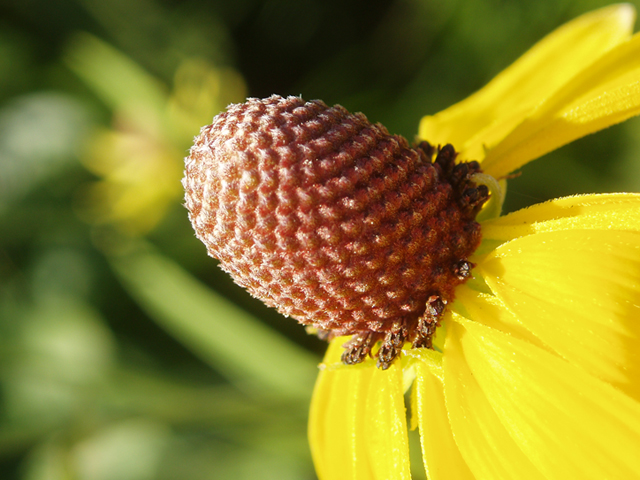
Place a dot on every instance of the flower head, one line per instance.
(536, 372)
(334, 221)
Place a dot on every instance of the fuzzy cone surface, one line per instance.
(325, 216)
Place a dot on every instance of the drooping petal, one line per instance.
(490, 114)
(618, 211)
(605, 93)
(386, 425)
(484, 442)
(357, 421)
(440, 454)
(579, 292)
(336, 420)
(567, 422)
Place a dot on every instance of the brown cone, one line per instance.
(334, 221)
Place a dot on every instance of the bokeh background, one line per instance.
(125, 353)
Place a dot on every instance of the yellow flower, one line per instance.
(536, 372)
(140, 160)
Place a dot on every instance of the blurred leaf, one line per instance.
(121, 83)
(228, 338)
(196, 460)
(64, 272)
(15, 439)
(66, 340)
(47, 461)
(39, 135)
(128, 450)
(178, 403)
(61, 355)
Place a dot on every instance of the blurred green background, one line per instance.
(125, 354)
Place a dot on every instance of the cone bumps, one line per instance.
(332, 220)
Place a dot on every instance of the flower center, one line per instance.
(335, 222)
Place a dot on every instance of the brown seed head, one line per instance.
(333, 221)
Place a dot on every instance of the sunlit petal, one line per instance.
(491, 113)
(489, 310)
(606, 93)
(337, 418)
(618, 211)
(484, 442)
(357, 422)
(386, 425)
(568, 423)
(579, 292)
(442, 459)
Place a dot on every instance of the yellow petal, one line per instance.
(442, 459)
(489, 310)
(618, 211)
(386, 425)
(357, 422)
(485, 444)
(489, 115)
(568, 423)
(605, 93)
(579, 292)
(336, 420)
